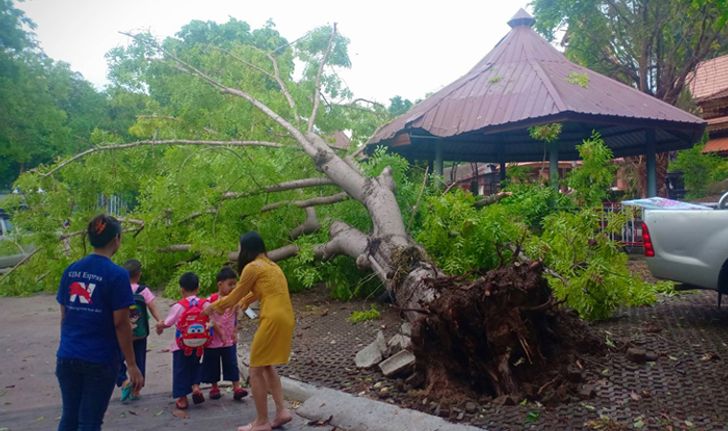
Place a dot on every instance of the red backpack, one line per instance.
(192, 328)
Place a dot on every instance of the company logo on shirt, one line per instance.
(82, 291)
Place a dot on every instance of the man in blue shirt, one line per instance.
(95, 296)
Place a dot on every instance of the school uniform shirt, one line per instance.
(146, 293)
(226, 321)
(91, 289)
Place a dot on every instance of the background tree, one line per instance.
(48, 110)
(651, 45)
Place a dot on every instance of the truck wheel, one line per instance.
(723, 282)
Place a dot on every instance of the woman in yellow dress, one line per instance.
(262, 280)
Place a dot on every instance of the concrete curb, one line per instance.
(354, 413)
(297, 390)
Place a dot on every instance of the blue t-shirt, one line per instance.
(91, 289)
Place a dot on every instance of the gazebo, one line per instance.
(523, 82)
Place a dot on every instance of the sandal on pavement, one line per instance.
(215, 394)
(239, 394)
(279, 422)
(181, 404)
(251, 427)
(198, 397)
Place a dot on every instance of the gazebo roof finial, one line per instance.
(521, 18)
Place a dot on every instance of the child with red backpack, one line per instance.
(192, 335)
(139, 316)
(223, 347)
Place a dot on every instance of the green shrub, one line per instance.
(699, 170)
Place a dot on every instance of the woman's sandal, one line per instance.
(277, 423)
(251, 427)
(181, 404)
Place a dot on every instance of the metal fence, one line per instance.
(631, 234)
(113, 205)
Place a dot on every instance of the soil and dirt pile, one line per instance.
(502, 335)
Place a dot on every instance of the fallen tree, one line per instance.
(493, 334)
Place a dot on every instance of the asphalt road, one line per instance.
(30, 398)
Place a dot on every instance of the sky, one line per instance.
(398, 47)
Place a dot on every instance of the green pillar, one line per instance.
(651, 154)
(554, 165)
(438, 159)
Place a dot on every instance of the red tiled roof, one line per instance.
(717, 124)
(717, 145)
(710, 79)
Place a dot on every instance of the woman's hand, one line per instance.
(160, 327)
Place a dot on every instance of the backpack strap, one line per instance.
(214, 297)
(185, 303)
(140, 289)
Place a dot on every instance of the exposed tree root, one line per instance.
(502, 334)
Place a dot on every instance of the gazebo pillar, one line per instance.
(502, 164)
(651, 155)
(438, 158)
(554, 165)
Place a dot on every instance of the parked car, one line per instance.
(689, 246)
(12, 249)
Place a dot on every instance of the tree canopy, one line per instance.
(651, 45)
(195, 200)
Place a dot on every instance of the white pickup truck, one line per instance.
(689, 246)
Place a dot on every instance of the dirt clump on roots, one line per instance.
(502, 335)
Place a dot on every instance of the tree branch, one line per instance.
(275, 255)
(321, 200)
(386, 179)
(282, 85)
(188, 68)
(288, 185)
(310, 225)
(317, 85)
(488, 200)
(344, 240)
(20, 263)
(196, 214)
(276, 76)
(416, 207)
(113, 147)
(174, 248)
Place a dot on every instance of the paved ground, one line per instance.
(685, 389)
(29, 395)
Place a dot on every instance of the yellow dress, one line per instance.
(264, 281)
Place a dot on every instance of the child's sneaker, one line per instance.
(215, 393)
(239, 394)
(198, 397)
(126, 393)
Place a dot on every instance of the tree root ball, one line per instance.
(502, 334)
